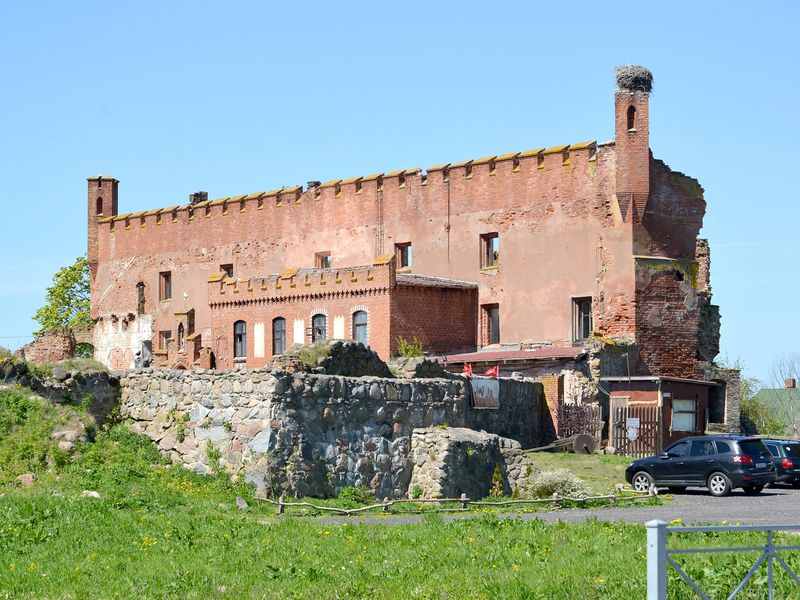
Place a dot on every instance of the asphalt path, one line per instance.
(775, 506)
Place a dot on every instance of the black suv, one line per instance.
(786, 456)
(717, 462)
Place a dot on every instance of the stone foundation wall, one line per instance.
(309, 434)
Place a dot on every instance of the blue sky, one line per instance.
(234, 97)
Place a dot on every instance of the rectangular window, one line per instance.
(581, 319)
(490, 326)
(684, 413)
(163, 340)
(404, 255)
(227, 269)
(490, 250)
(322, 260)
(165, 285)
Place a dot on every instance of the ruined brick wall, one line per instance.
(50, 347)
(442, 319)
(573, 221)
(668, 318)
(554, 211)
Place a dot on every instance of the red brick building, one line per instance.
(586, 245)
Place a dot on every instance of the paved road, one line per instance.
(773, 506)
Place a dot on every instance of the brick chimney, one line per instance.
(102, 203)
(632, 139)
(197, 197)
(790, 383)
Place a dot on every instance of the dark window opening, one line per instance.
(490, 250)
(360, 321)
(492, 166)
(319, 328)
(240, 339)
(140, 305)
(227, 269)
(491, 324)
(631, 117)
(322, 260)
(515, 163)
(468, 170)
(100, 207)
(278, 335)
(401, 180)
(165, 285)
(358, 186)
(716, 404)
(581, 319)
(181, 338)
(404, 255)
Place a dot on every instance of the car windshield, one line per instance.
(753, 447)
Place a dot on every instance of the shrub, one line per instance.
(5, 353)
(84, 350)
(560, 481)
(312, 355)
(409, 348)
(356, 495)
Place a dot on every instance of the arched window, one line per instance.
(360, 321)
(631, 117)
(140, 307)
(240, 339)
(319, 328)
(278, 335)
(181, 338)
(99, 206)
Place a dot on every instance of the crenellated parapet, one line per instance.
(490, 170)
(295, 284)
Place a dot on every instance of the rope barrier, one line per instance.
(463, 501)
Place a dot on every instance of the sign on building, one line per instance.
(485, 392)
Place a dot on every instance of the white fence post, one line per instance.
(656, 560)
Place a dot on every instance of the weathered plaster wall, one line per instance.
(118, 339)
(305, 434)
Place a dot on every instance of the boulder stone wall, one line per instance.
(305, 434)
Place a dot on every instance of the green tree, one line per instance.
(67, 302)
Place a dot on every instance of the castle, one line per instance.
(583, 255)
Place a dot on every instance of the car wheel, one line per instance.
(677, 489)
(718, 484)
(642, 481)
(752, 490)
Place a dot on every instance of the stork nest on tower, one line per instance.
(634, 78)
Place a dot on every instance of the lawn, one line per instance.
(601, 472)
(158, 531)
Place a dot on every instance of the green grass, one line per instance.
(601, 472)
(159, 531)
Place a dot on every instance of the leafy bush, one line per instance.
(356, 496)
(757, 417)
(560, 481)
(5, 353)
(313, 354)
(409, 348)
(26, 423)
(84, 350)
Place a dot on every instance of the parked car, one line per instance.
(717, 462)
(786, 457)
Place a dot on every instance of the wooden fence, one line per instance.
(575, 419)
(636, 430)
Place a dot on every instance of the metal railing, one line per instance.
(659, 557)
